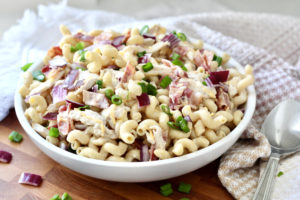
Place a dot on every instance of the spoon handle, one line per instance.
(265, 186)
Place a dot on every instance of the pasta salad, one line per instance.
(141, 95)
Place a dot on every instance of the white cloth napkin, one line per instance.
(35, 33)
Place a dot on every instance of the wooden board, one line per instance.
(58, 179)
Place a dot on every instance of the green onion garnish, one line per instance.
(82, 55)
(181, 36)
(279, 174)
(174, 32)
(172, 125)
(78, 46)
(144, 30)
(99, 83)
(147, 67)
(53, 132)
(166, 189)
(179, 63)
(175, 56)
(82, 108)
(218, 59)
(116, 99)
(14, 136)
(204, 83)
(144, 87)
(141, 54)
(165, 82)
(55, 197)
(151, 90)
(166, 109)
(180, 124)
(38, 75)
(184, 188)
(109, 93)
(81, 68)
(26, 67)
(66, 196)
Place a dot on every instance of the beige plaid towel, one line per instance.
(275, 51)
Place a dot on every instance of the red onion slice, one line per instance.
(82, 37)
(5, 156)
(187, 118)
(143, 100)
(50, 116)
(71, 77)
(30, 179)
(149, 36)
(220, 76)
(145, 58)
(118, 41)
(172, 39)
(74, 104)
(59, 93)
(209, 83)
(144, 153)
(77, 85)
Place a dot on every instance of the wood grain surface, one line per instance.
(58, 179)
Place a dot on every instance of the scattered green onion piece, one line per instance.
(99, 83)
(279, 174)
(66, 196)
(182, 123)
(172, 125)
(26, 67)
(73, 49)
(144, 30)
(218, 59)
(167, 192)
(141, 54)
(55, 197)
(204, 83)
(109, 93)
(181, 36)
(144, 87)
(179, 63)
(184, 127)
(165, 82)
(175, 56)
(53, 132)
(82, 56)
(178, 120)
(215, 57)
(80, 46)
(116, 99)
(184, 198)
(81, 68)
(184, 188)
(147, 67)
(151, 90)
(166, 186)
(38, 75)
(82, 108)
(14, 136)
(174, 32)
(166, 109)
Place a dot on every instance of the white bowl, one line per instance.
(138, 171)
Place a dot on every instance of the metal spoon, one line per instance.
(282, 128)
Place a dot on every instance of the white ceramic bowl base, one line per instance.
(138, 171)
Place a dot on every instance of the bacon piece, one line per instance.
(181, 50)
(46, 69)
(128, 73)
(204, 59)
(82, 37)
(223, 101)
(176, 92)
(54, 51)
(64, 122)
(95, 99)
(75, 86)
(50, 116)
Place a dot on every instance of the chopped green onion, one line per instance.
(184, 198)
(144, 30)
(204, 83)
(55, 197)
(26, 67)
(179, 63)
(144, 87)
(218, 59)
(81, 68)
(78, 46)
(38, 75)
(66, 196)
(174, 32)
(151, 90)
(14, 136)
(109, 93)
(181, 36)
(166, 109)
(165, 82)
(82, 55)
(73, 49)
(182, 123)
(280, 174)
(184, 127)
(116, 99)
(53, 132)
(82, 108)
(178, 120)
(184, 188)
(141, 54)
(175, 56)
(172, 125)
(147, 67)
(166, 186)
(166, 192)
(99, 83)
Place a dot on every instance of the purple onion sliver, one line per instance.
(75, 86)
(118, 41)
(30, 179)
(94, 88)
(50, 116)
(187, 118)
(82, 37)
(172, 39)
(149, 36)
(209, 83)
(74, 104)
(5, 157)
(144, 153)
(71, 77)
(143, 99)
(59, 93)
(219, 76)
(114, 67)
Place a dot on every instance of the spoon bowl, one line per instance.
(282, 128)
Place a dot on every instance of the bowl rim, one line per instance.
(236, 132)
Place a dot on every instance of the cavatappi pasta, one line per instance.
(142, 95)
